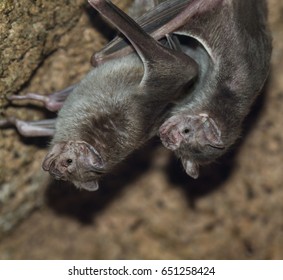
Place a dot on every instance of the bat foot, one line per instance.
(52, 102)
(193, 130)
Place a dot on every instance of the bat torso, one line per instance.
(111, 111)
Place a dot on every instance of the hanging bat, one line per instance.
(222, 47)
(208, 121)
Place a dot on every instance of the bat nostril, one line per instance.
(55, 173)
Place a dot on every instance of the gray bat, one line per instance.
(221, 46)
(232, 46)
(234, 68)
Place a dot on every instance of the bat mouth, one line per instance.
(54, 172)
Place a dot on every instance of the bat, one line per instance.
(208, 121)
(197, 88)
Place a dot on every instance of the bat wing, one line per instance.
(140, 7)
(164, 19)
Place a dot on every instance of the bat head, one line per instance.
(196, 139)
(75, 161)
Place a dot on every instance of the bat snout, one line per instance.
(56, 173)
(61, 168)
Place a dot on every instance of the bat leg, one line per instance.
(52, 102)
(40, 128)
(193, 130)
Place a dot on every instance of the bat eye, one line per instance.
(69, 161)
(186, 131)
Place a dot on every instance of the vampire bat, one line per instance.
(120, 104)
(230, 41)
(233, 70)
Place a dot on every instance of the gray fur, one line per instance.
(100, 110)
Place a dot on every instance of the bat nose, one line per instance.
(55, 172)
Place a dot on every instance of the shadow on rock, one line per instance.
(213, 176)
(65, 199)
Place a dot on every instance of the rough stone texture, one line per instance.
(30, 30)
(150, 208)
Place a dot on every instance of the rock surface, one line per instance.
(29, 31)
(148, 209)
(40, 51)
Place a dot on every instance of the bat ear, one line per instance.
(156, 59)
(191, 168)
(210, 134)
(89, 185)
